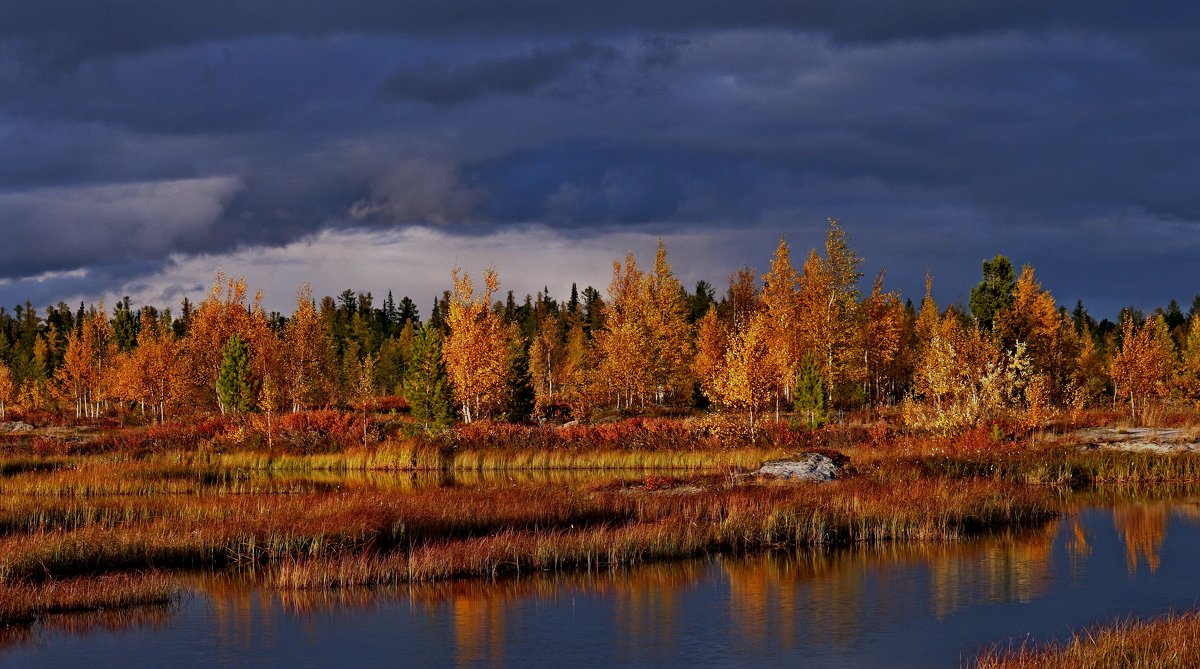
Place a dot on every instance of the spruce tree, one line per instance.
(809, 393)
(425, 386)
(994, 294)
(234, 387)
(519, 403)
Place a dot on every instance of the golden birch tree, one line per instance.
(221, 315)
(476, 350)
(8, 389)
(781, 309)
(307, 356)
(547, 363)
(160, 355)
(746, 381)
(882, 328)
(1142, 368)
(623, 346)
(712, 343)
(666, 321)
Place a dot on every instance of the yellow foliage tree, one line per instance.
(8, 389)
(1142, 369)
(747, 380)
(882, 328)
(476, 350)
(308, 357)
(665, 315)
(712, 343)
(781, 309)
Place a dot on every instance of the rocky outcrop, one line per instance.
(808, 467)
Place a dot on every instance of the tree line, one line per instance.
(805, 340)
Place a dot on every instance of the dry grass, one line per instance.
(670, 526)
(25, 602)
(1163, 643)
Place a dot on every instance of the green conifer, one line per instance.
(234, 387)
(809, 393)
(425, 386)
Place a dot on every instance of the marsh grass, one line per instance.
(22, 602)
(677, 526)
(1172, 641)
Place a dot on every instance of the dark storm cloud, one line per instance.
(61, 32)
(1063, 134)
(448, 83)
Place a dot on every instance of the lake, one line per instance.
(903, 606)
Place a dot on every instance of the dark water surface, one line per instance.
(923, 606)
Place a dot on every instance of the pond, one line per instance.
(903, 606)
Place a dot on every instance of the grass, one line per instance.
(26, 602)
(1163, 643)
(671, 526)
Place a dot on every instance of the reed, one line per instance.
(670, 526)
(1164, 643)
(25, 602)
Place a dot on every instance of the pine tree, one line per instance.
(519, 403)
(234, 387)
(994, 294)
(425, 385)
(808, 396)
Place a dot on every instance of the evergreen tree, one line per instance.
(234, 387)
(408, 312)
(425, 384)
(573, 303)
(125, 325)
(809, 394)
(519, 404)
(994, 294)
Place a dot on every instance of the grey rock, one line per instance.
(808, 467)
(15, 426)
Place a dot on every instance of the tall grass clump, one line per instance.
(1170, 642)
(25, 602)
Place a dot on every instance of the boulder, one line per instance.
(808, 467)
(16, 426)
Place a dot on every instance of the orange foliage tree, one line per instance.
(476, 350)
(308, 357)
(8, 389)
(782, 316)
(1142, 368)
(712, 342)
(746, 382)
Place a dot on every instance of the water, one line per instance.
(898, 607)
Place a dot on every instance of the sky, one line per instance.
(376, 144)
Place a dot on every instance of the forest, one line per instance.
(806, 343)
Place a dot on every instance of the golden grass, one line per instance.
(25, 602)
(670, 526)
(1169, 642)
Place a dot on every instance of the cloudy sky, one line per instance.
(374, 144)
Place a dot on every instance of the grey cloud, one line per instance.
(63, 32)
(62, 229)
(418, 191)
(449, 83)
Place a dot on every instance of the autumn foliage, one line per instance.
(651, 348)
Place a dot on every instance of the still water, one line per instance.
(922, 606)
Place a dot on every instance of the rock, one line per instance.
(16, 426)
(807, 467)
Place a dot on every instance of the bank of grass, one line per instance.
(22, 602)
(1172, 641)
(506, 527)
(670, 525)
